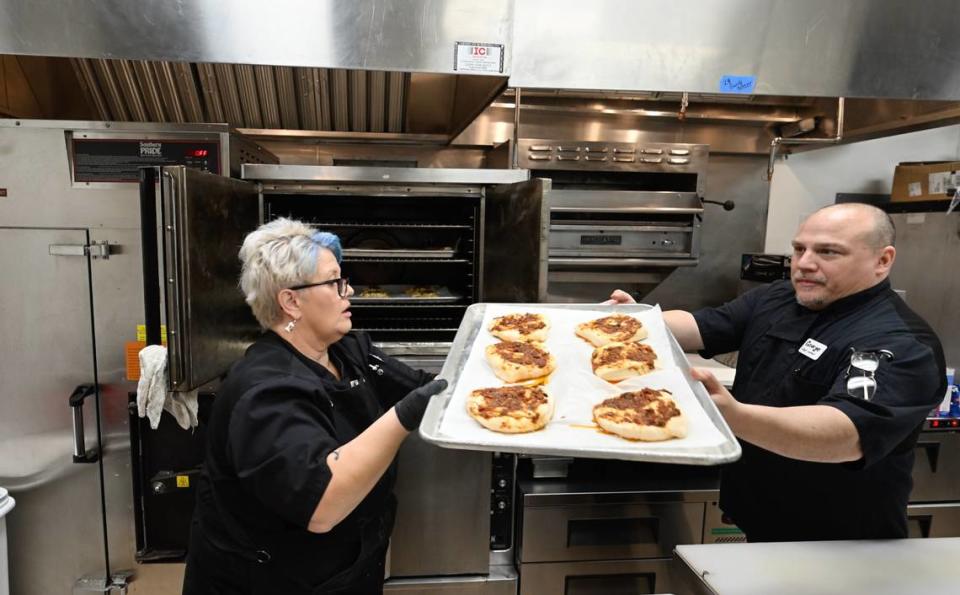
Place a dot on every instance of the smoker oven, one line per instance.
(620, 214)
(413, 244)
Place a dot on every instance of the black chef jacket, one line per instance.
(275, 420)
(774, 498)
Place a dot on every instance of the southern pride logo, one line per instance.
(150, 149)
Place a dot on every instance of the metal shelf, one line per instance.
(390, 225)
(410, 260)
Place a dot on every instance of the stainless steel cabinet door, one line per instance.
(56, 532)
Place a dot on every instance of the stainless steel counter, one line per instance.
(882, 567)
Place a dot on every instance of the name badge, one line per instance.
(813, 349)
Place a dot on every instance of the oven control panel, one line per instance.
(501, 501)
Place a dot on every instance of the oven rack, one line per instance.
(394, 253)
(410, 304)
(389, 225)
(408, 260)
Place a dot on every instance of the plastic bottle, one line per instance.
(945, 405)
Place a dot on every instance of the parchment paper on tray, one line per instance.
(572, 431)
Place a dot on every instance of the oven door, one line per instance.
(603, 577)
(193, 224)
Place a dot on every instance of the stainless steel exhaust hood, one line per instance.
(373, 67)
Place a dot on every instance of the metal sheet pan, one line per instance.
(468, 332)
(397, 296)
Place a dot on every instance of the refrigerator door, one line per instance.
(56, 534)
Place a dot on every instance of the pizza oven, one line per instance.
(621, 215)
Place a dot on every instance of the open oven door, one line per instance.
(517, 219)
(193, 225)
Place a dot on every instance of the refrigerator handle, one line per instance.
(80, 452)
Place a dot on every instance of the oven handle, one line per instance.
(624, 262)
(628, 210)
(592, 225)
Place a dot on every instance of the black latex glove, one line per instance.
(411, 408)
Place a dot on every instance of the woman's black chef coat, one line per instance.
(773, 498)
(275, 420)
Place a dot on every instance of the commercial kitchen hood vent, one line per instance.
(253, 97)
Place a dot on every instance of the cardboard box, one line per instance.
(913, 182)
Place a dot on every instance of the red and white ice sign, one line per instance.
(478, 57)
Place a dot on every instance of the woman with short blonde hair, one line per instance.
(295, 495)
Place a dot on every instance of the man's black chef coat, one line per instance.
(275, 420)
(773, 498)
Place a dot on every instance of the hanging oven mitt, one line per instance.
(152, 395)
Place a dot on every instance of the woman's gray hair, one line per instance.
(280, 254)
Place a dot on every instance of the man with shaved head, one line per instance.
(827, 445)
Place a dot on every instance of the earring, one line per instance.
(290, 325)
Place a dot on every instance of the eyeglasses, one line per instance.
(342, 284)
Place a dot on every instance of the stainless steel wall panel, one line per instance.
(427, 513)
(415, 35)
(831, 48)
(926, 267)
(247, 84)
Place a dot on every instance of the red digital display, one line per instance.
(198, 152)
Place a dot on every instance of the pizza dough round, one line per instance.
(618, 361)
(649, 415)
(616, 328)
(520, 327)
(511, 409)
(513, 361)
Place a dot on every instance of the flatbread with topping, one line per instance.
(513, 361)
(618, 361)
(511, 409)
(373, 291)
(649, 415)
(422, 292)
(520, 327)
(616, 328)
